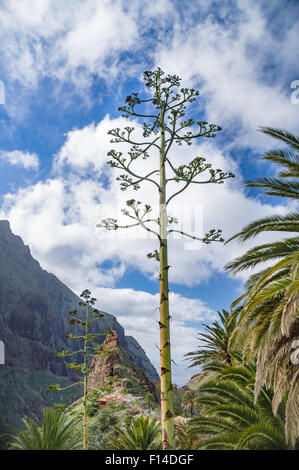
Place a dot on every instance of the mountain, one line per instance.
(197, 380)
(118, 365)
(33, 326)
(193, 383)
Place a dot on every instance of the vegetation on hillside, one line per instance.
(248, 406)
(57, 432)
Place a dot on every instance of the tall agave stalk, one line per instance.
(165, 352)
(166, 126)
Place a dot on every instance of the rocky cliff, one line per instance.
(33, 326)
(117, 365)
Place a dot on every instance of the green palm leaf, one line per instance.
(57, 432)
(214, 342)
(269, 318)
(232, 419)
(140, 434)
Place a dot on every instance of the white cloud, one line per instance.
(73, 41)
(74, 45)
(105, 25)
(57, 218)
(20, 158)
(230, 63)
(87, 147)
(232, 53)
(62, 212)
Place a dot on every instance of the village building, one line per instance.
(107, 400)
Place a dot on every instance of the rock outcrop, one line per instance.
(115, 363)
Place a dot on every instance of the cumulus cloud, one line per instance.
(87, 147)
(73, 41)
(63, 212)
(238, 53)
(19, 158)
(232, 61)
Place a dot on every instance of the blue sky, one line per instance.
(66, 68)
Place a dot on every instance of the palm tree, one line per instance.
(288, 159)
(57, 432)
(190, 402)
(267, 327)
(186, 437)
(214, 345)
(231, 419)
(140, 434)
(285, 185)
(149, 399)
(269, 321)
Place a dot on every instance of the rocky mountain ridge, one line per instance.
(115, 364)
(33, 326)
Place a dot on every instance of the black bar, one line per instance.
(140, 459)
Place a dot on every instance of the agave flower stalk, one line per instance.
(163, 127)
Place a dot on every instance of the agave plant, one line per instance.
(57, 432)
(269, 323)
(139, 434)
(230, 417)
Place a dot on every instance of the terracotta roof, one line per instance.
(113, 397)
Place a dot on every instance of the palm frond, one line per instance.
(263, 253)
(276, 187)
(283, 135)
(283, 223)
